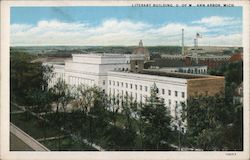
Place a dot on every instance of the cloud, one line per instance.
(217, 21)
(220, 40)
(17, 28)
(113, 32)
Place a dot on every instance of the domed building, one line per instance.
(142, 50)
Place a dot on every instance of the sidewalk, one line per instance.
(27, 140)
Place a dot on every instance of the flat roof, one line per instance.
(170, 74)
(94, 54)
(174, 74)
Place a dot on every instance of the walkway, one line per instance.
(24, 140)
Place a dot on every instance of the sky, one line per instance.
(125, 26)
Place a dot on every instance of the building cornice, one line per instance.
(150, 78)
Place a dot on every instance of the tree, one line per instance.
(127, 109)
(233, 73)
(120, 134)
(156, 120)
(226, 117)
(85, 100)
(62, 97)
(211, 124)
(26, 77)
(98, 115)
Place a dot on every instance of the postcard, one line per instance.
(125, 79)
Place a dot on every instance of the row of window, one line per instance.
(140, 87)
(54, 80)
(116, 92)
(121, 69)
(77, 81)
(192, 70)
(127, 85)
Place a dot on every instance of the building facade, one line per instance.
(117, 76)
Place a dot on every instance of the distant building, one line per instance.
(191, 69)
(236, 57)
(211, 61)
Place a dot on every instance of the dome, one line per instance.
(142, 50)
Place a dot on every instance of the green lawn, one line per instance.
(31, 126)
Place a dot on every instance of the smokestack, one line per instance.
(195, 49)
(182, 42)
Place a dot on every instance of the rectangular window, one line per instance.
(176, 94)
(163, 91)
(109, 82)
(135, 87)
(126, 85)
(140, 87)
(182, 94)
(169, 102)
(169, 92)
(122, 84)
(117, 83)
(131, 86)
(103, 82)
(146, 88)
(113, 83)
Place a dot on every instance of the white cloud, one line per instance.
(111, 32)
(217, 21)
(20, 27)
(222, 40)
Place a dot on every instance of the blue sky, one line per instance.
(104, 25)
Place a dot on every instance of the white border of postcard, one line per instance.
(5, 92)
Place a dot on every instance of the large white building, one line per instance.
(113, 73)
(91, 69)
